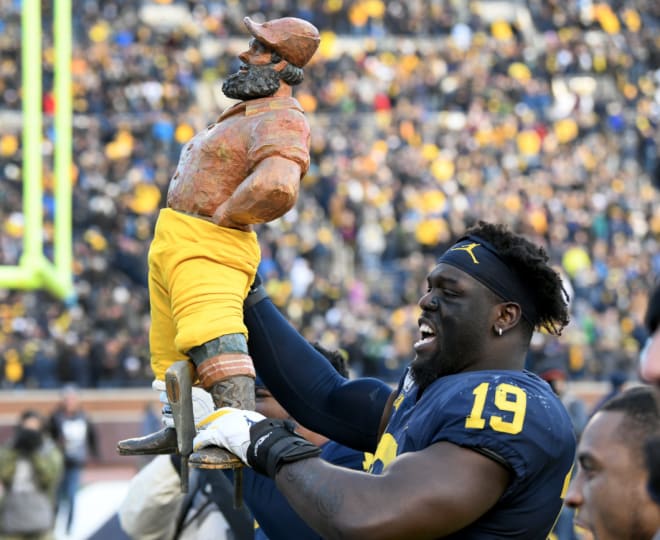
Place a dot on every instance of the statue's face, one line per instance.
(256, 77)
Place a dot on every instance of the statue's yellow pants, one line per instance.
(199, 275)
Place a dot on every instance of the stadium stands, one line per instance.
(426, 116)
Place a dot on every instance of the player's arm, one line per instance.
(425, 494)
(351, 412)
(267, 193)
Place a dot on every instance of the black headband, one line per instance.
(480, 260)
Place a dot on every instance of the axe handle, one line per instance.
(184, 474)
(178, 383)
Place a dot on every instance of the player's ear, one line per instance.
(508, 315)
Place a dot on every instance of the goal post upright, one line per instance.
(63, 148)
(34, 270)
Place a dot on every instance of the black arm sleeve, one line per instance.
(308, 387)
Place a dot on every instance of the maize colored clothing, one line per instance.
(199, 274)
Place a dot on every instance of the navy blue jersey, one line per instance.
(275, 519)
(511, 416)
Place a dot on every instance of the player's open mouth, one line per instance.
(581, 526)
(428, 336)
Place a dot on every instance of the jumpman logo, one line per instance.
(469, 248)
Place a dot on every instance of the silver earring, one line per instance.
(499, 332)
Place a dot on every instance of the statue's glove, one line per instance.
(229, 428)
(274, 443)
(202, 402)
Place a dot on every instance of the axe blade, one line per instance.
(178, 384)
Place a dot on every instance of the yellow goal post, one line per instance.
(34, 270)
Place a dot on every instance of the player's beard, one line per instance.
(426, 371)
(256, 82)
(423, 375)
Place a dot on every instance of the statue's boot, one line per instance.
(160, 442)
(225, 370)
(227, 393)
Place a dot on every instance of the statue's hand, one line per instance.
(220, 218)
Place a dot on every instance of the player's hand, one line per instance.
(202, 403)
(229, 428)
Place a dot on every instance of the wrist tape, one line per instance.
(274, 443)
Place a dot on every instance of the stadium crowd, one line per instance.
(426, 116)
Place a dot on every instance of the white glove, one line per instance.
(229, 428)
(202, 403)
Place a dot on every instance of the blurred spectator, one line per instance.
(151, 419)
(76, 436)
(30, 471)
(555, 375)
(151, 422)
(617, 380)
(425, 117)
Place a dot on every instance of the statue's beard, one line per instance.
(256, 82)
